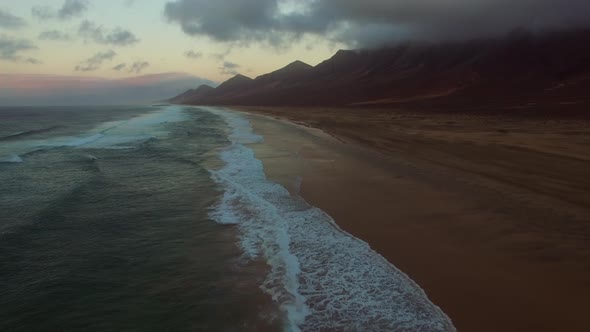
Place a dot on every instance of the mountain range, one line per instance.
(519, 69)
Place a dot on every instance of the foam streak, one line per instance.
(323, 278)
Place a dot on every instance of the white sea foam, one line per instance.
(323, 278)
(111, 135)
(11, 159)
(74, 141)
(119, 134)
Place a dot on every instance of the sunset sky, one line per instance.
(149, 42)
(214, 40)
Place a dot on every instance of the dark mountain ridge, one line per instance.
(519, 68)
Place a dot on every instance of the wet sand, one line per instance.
(490, 216)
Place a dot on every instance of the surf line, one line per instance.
(322, 277)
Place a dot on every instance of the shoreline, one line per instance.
(456, 236)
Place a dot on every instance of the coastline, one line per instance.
(465, 243)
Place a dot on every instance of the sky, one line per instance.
(122, 38)
(213, 40)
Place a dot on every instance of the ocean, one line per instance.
(152, 218)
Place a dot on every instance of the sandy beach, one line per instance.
(490, 216)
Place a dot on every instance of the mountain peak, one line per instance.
(191, 94)
(237, 81)
(238, 78)
(204, 88)
(297, 64)
(343, 56)
(551, 66)
(291, 70)
(341, 53)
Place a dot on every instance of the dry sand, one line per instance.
(489, 215)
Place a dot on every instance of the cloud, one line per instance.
(193, 55)
(11, 49)
(138, 66)
(54, 35)
(119, 67)
(225, 20)
(229, 68)
(221, 55)
(70, 9)
(9, 21)
(33, 61)
(374, 22)
(369, 22)
(96, 61)
(43, 12)
(117, 36)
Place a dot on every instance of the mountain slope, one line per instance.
(519, 68)
(192, 95)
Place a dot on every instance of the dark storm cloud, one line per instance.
(9, 21)
(225, 20)
(138, 66)
(11, 49)
(69, 9)
(374, 21)
(96, 61)
(96, 33)
(371, 22)
(54, 35)
(193, 55)
(229, 68)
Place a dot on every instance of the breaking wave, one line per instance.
(11, 159)
(110, 135)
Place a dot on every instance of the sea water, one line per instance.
(161, 218)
